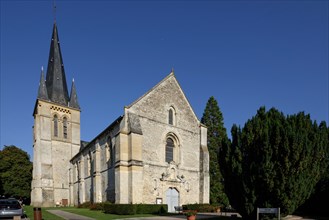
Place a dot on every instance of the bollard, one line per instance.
(37, 214)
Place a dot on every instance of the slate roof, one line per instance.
(74, 97)
(56, 80)
(54, 88)
(42, 92)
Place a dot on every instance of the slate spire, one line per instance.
(42, 92)
(56, 80)
(74, 97)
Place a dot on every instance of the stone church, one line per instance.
(154, 153)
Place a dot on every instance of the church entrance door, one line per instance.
(172, 199)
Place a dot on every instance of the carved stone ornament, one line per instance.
(171, 174)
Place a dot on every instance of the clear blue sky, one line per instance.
(244, 53)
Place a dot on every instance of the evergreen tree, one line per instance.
(217, 137)
(231, 164)
(15, 172)
(275, 161)
(317, 204)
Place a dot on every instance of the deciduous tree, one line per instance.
(15, 172)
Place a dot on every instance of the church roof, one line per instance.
(85, 145)
(74, 97)
(56, 80)
(42, 92)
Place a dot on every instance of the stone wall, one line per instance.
(52, 154)
(184, 173)
(96, 179)
(128, 159)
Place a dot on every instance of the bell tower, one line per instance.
(56, 132)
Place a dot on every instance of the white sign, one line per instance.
(159, 201)
(268, 211)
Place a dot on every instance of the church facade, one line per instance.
(154, 153)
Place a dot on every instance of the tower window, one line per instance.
(55, 126)
(170, 150)
(65, 127)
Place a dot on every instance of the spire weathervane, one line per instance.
(54, 10)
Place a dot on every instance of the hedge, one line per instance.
(131, 209)
(98, 206)
(85, 205)
(93, 206)
(151, 209)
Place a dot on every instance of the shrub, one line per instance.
(98, 206)
(189, 213)
(151, 209)
(131, 209)
(120, 209)
(85, 205)
(93, 206)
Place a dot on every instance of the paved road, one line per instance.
(68, 215)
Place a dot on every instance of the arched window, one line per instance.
(171, 116)
(78, 170)
(170, 150)
(108, 153)
(171, 119)
(112, 156)
(65, 128)
(88, 164)
(55, 126)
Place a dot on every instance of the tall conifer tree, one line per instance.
(275, 161)
(213, 119)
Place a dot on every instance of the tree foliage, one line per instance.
(217, 137)
(15, 172)
(275, 161)
(317, 205)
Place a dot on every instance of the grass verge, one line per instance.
(99, 215)
(45, 215)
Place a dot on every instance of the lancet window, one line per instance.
(65, 128)
(171, 116)
(55, 126)
(170, 150)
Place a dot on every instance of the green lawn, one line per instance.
(45, 215)
(99, 215)
(85, 212)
